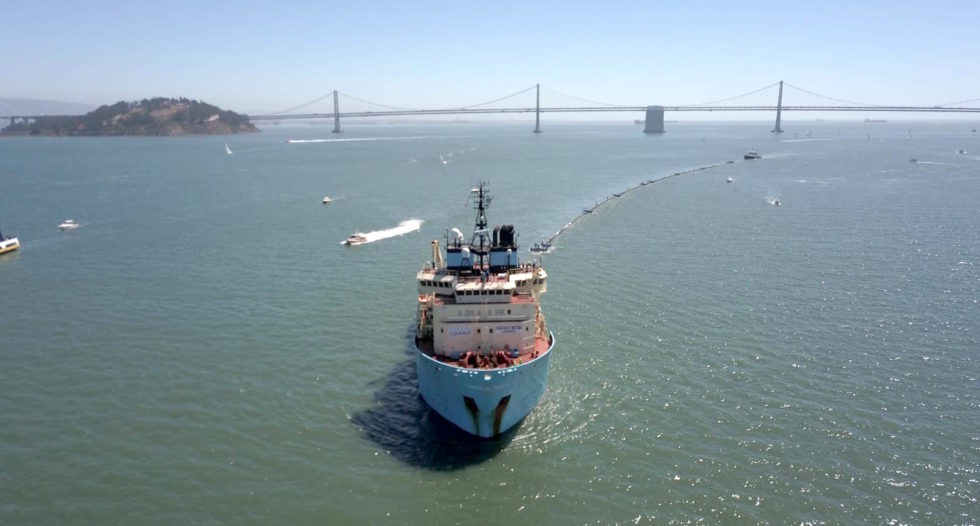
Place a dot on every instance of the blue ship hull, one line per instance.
(483, 402)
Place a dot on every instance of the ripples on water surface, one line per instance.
(202, 350)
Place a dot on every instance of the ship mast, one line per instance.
(482, 201)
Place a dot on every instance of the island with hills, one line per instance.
(148, 117)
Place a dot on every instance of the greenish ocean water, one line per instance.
(203, 351)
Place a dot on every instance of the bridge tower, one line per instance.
(537, 108)
(779, 109)
(336, 113)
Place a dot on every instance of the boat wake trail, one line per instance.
(405, 227)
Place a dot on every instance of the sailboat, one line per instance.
(227, 149)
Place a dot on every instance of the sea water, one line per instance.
(203, 350)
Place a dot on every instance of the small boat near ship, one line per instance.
(68, 224)
(8, 244)
(355, 239)
(542, 246)
(751, 155)
(482, 347)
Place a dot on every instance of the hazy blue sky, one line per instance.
(265, 56)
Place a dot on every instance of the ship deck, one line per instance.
(514, 299)
(495, 359)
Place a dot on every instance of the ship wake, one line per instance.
(405, 227)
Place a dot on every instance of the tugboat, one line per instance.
(8, 244)
(482, 348)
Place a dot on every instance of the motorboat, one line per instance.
(8, 244)
(355, 239)
(327, 200)
(752, 154)
(228, 150)
(68, 224)
(730, 179)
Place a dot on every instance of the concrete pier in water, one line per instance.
(654, 120)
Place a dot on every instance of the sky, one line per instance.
(259, 56)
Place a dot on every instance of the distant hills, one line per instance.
(42, 107)
(158, 116)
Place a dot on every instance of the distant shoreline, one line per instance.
(158, 117)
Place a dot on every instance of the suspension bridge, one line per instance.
(529, 100)
(654, 115)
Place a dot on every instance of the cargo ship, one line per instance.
(482, 346)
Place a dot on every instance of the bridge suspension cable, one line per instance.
(305, 104)
(831, 98)
(957, 103)
(580, 99)
(396, 108)
(521, 92)
(736, 96)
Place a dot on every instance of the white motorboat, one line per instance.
(8, 244)
(355, 239)
(68, 224)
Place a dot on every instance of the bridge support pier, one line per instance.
(537, 108)
(336, 113)
(654, 120)
(779, 109)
